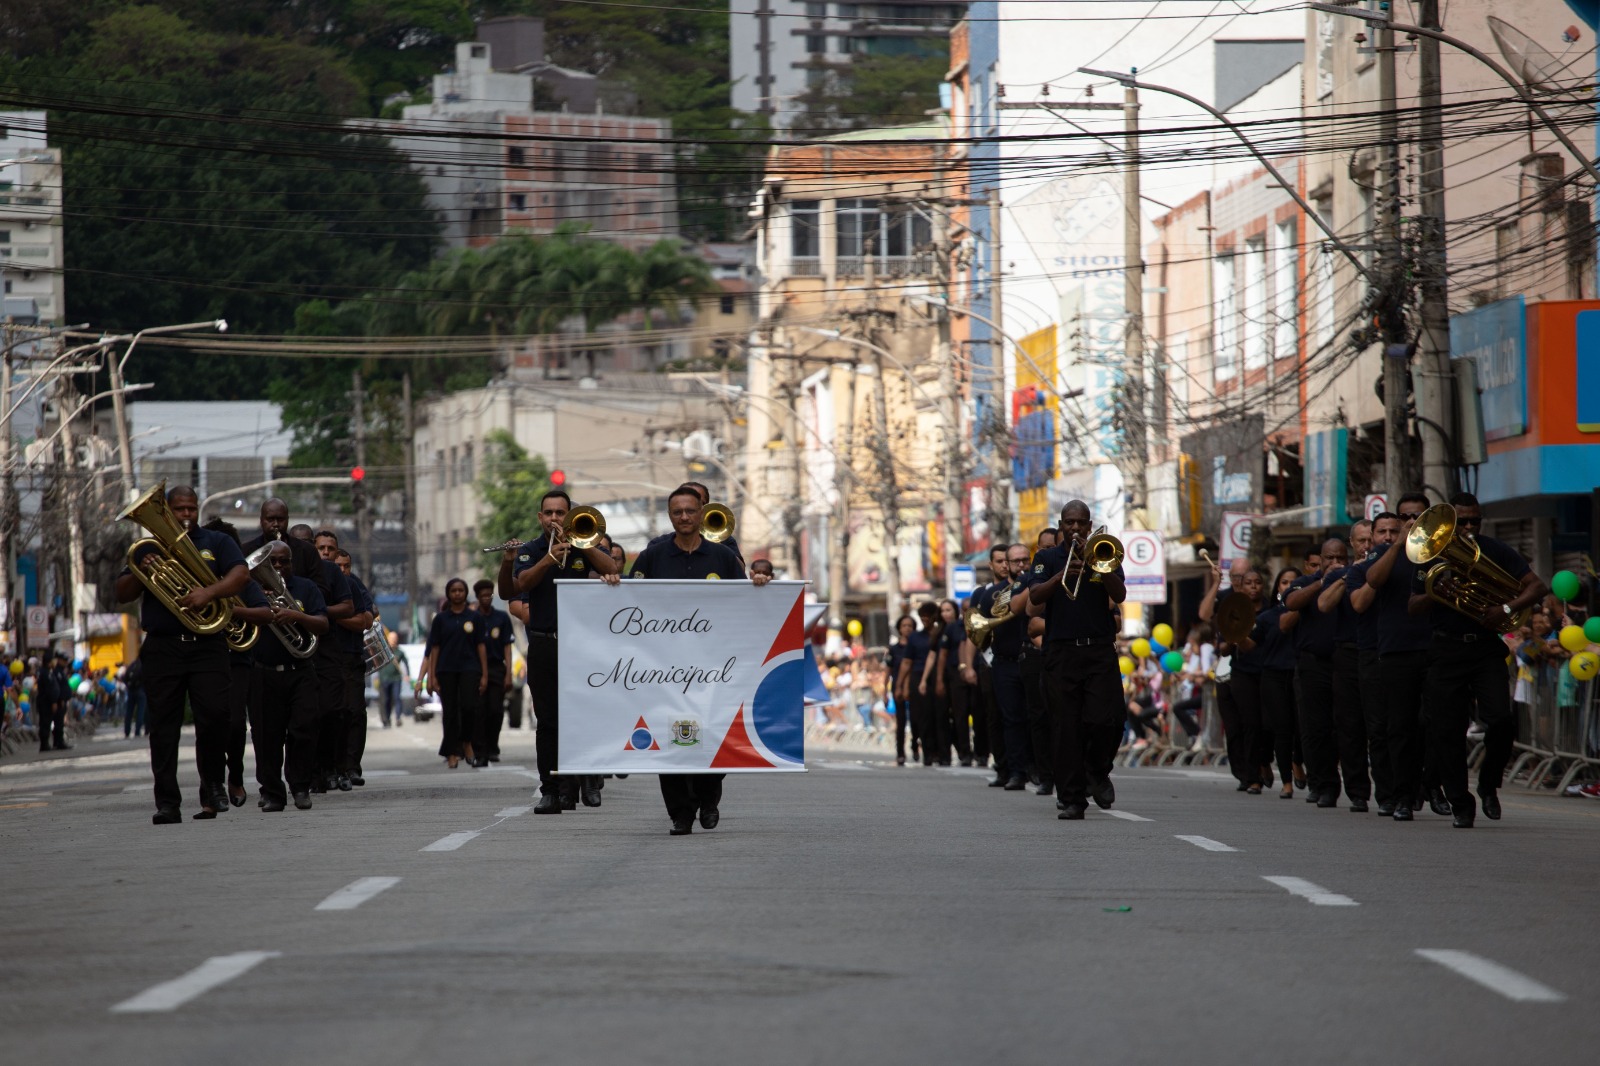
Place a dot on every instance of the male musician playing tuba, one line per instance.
(528, 572)
(1467, 665)
(1082, 682)
(183, 666)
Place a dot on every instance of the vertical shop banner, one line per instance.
(681, 677)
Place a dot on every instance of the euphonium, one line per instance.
(301, 643)
(1477, 584)
(178, 569)
(1102, 554)
(716, 523)
(583, 527)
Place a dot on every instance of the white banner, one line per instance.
(681, 677)
(1144, 566)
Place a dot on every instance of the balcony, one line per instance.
(884, 266)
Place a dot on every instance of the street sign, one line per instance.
(963, 580)
(1234, 543)
(1144, 566)
(38, 628)
(1374, 505)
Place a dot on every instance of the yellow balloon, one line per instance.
(1125, 664)
(853, 627)
(1141, 648)
(1584, 665)
(1572, 639)
(1162, 634)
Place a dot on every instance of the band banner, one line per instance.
(681, 677)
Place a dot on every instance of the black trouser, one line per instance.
(331, 728)
(1375, 716)
(491, 715)
(1313, 690)
(240, 673)
(991, 739)
(544, 690)
(685, 794)
(927, 724)
(1084, 691)
(52, 717)
(458, 695)
(959, 703)
(1463, 677)
(283, 727)
(1183, 711)
(1350, 723)
(192, 669)
(902, 718)
(514, 707)
(1405, 674)
(355, 716)
(1041, 727)
(1239, 703)
(1012, 756)
(1279, 722)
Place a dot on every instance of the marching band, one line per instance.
(1357, 676)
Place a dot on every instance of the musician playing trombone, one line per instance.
(1083, 685)
(528, 572)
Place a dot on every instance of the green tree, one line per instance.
(512, 484)
(876, 91)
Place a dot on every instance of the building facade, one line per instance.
(31, 235)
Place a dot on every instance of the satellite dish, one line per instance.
(1529, 60)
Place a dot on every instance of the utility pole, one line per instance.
(1136, 437)
(8, 529)
(997, 355)
(844, 481)
(408, 520)
(70, 487)
(949, 408)
(363, 526)
(119, 410)
(888, 490)
(1396, 439)
(1435, 412)
(764, 103)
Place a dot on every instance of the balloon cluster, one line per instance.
(1584, 663)
(1158, 646)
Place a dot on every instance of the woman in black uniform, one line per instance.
(456, 666)
(1239, 702)
(1278, 715)
(960, 697)
(899, 669)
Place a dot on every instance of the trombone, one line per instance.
(717, 522)
(1102, 554)
(582, 528)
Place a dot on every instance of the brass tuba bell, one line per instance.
(1477, 584)
(716, 523)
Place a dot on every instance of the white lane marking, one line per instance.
(453, 841)
(386, 773)
(1126, 816)
(831, 764)
(1313, 893)
(512, 769)
(512, 812)
(1491, 975)
(1206, 843)
(356, 893)
(170, 995)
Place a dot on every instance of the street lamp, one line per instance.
(124, 448)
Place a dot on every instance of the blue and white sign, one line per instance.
(963, 581)
(1495, 336)
(1323, 460)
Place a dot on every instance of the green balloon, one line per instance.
(1591, 629)
(1172, 661)
(1566, 586)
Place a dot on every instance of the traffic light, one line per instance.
(357, 473)
(558, 478)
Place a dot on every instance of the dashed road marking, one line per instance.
(1206, 843)
(1515, 986)
(356, 893)
(170, 995)
(453, 841)
(512, 812)
(1315, 894)
(1126, 816)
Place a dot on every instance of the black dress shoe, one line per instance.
(330, 781)
(549, 803)
(1045, 788)
(495, 757)
(1104, 793)
(357, 780)
(569, 801)
(1312, 797)
(1242, 786)
(1438, 804)
(1402, 813)
(166, 816)
(1328, 799)
(237, 798)
(318, 787)
(343, 781)
(681, 827)
(709, 817)
(204, 814)
(997, 781)
(1358, 806)
(1490, 798)
(1072, 814)
(589, 794)
(272, 806)
(1386, 809)
(63, 747)
(302, 801)
(1017, 783)
(1463, 812)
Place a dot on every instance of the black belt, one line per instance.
(1347, 644)
(1007, 658)
(548, 634)
(1084, 642)
(1461, 638)
(186, 638)
(279, 668)
(1319, 656)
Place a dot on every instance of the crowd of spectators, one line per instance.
(52, 697)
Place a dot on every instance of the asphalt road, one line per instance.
(857, 913)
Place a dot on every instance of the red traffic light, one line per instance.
(357, 473)
(558, 478)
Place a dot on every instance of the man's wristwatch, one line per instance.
(1506, 607)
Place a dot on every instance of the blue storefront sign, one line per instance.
(1495, 336)
(1322, 460)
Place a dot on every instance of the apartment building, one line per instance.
(31, 248)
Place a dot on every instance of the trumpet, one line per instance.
(1477, 584)
(1102, 554)
(717, 523)
(178, 569)
(299, 642)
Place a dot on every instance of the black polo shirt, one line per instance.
(1252, 661)
(541, 599)
(335, 589)
(221, 553)
(308, 598)
(663, 559)
(251, 596)
(1398, 629)
(917, 649)
(1450, 621)
(1091, 616)
(458, 638)
(1366, 624)
(954, 635)
(303, 560)
(1344, 616)
(1275, 649)
(354, 641)
(1007, 637)
(1315, 632)
(496, 636)
(732, 544)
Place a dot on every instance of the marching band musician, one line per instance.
(1384, 530)
(1467, 665)
(181, 666)
(1239, 694)
(975, 669)
(241, 671)
(1319, 691)
(1010, 739)
(1279, 735)
(283, 690)
(1349, 697)
(1082, 683)
(350, 744)
(689, 555)
(330, 663)
(528, 572)
(497, 639)
(456, 668)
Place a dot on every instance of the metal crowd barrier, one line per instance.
(1555, 738)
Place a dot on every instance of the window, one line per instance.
(519, 201)
(450, 474)
(1226, 326)
(727, 305)
(516, 155)
(816, 11)
(480, 51)
(1285, 292)
(1324, 282)
(5, 236)
(816, 43)
(720, 349)
(1255, 304)
(804, 229)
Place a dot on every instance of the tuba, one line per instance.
(717, 523)
(179, 569)
(1477, 584)
(300, 643)
(980, 627)
(1102, 553)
